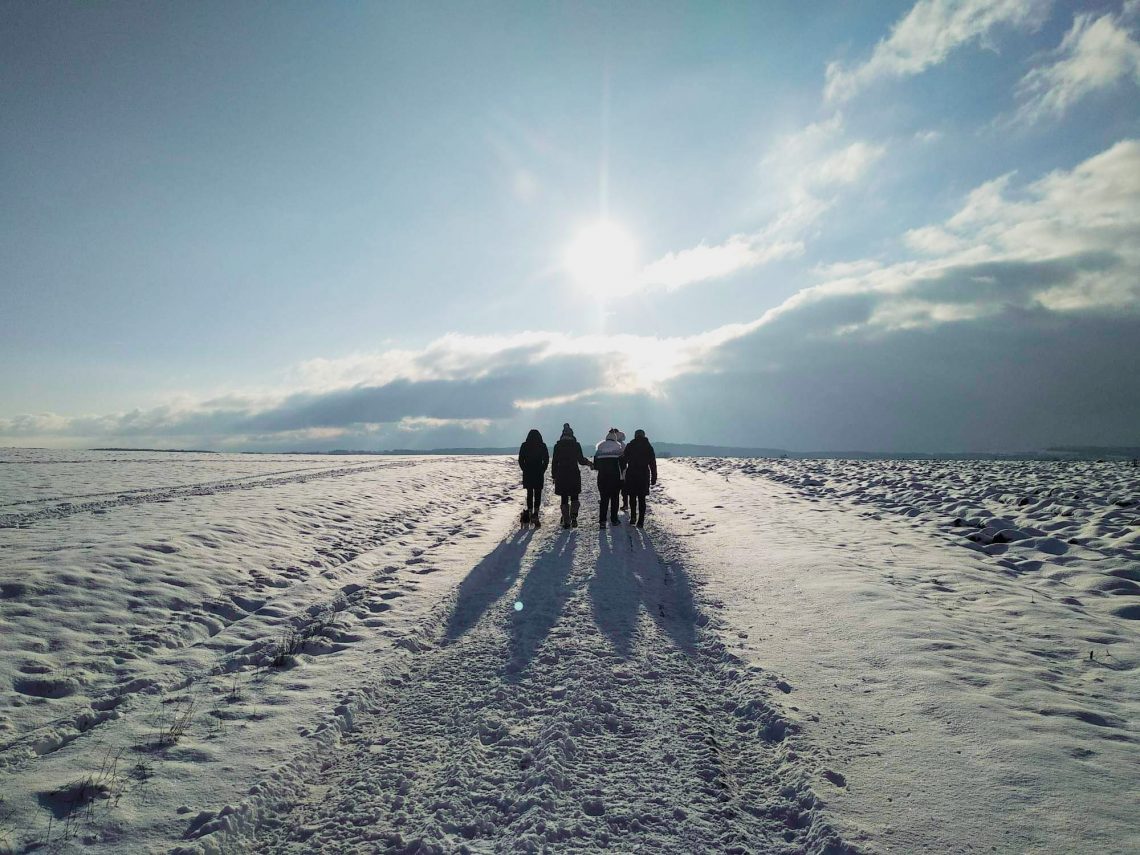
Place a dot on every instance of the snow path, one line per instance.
(599, 714)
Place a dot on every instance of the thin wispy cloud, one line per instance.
(848, 165)
(1096, 54)
(927, 35)
(706, 262)
(809, 167)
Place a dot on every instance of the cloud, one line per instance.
(847, 165)
(933, 240)
(927, 35)
(1013, 325)
(1068, 242)
(703, 262)
(1014, 329)
(463, 384)
(1013, 380)
(818, 156)
(808, 167)
(1096, 54)
(816, 159)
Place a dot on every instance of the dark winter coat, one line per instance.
(564, 466)
(534, 457)
(609, 465)
(640, 466)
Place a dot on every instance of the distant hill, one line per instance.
(681, 449)
(167, 450)
(1099, 451)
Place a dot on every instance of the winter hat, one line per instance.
(612, 435)
(621, 436)
(567, 430)
(639, 434)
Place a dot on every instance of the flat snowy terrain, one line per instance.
(216, 653)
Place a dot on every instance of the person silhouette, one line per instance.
(640, 474)
(534, 457)
(566, 475)
(608, 463)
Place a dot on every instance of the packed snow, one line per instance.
(289, 653)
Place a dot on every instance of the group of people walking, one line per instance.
(623, 470)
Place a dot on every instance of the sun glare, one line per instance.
(602, 259)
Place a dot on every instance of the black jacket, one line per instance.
(533, 460)
(564, 466)
(640, 466)
(609, 465)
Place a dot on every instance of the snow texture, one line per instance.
(226, 653)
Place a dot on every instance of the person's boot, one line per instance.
(565, 517)
(574, 520)
(633, 517)
(534, 516)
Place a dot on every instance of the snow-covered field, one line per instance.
(215, 653)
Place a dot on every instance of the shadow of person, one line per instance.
(666, 592)
(487, 582)
(542, 595)
(614, 594)
(631, 575)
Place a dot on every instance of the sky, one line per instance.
(898, 226)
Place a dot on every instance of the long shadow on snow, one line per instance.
(487, 582)
(543, 595)
(631, 574)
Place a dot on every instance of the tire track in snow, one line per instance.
(161, 647)
(30, 504)
(602, 713)
(166, 494)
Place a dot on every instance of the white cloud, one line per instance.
(927, 35)
(1094, 207)
(933, 240)
(1095, 54)
(844, 269)
(817, 158)
(807, 168)
(461, 384)
(703, 262)
(847, 165)
(420, 423)
(1067, 242)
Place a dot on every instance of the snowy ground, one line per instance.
(296, 654)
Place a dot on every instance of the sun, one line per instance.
(602, 259)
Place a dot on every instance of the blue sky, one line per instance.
(898, 226)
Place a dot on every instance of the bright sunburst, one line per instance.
(602, 259)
